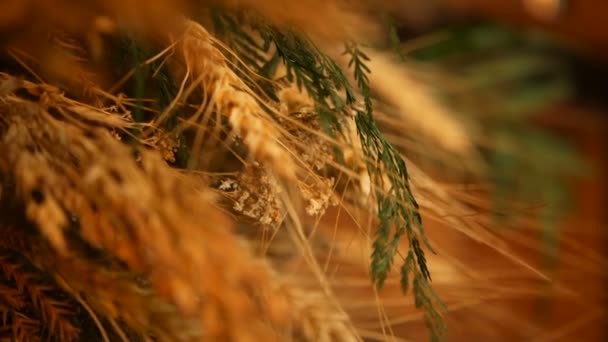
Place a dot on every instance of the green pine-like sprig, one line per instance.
(397, 209)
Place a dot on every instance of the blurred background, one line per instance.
(515, 300)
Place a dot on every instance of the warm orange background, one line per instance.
(578, 314)
(582, 23)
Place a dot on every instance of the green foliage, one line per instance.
(393, 36)
(397, 209)
(314, 72)
(512, 74)
(310, 69)
(262, 47)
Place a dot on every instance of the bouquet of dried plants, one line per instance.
(166, 167)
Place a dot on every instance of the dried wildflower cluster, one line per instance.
(255, 195)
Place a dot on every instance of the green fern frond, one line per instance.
(397, 208)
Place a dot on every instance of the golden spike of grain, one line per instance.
(12, 298)
(41, 254)
(230, 96)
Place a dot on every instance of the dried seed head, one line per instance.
(255, 195)
(231, 97)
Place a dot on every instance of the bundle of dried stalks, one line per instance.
(129, 206)
(107, 232)
(125, 231)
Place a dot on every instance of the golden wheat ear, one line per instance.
(227, 95)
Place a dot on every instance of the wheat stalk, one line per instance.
(226, 94)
